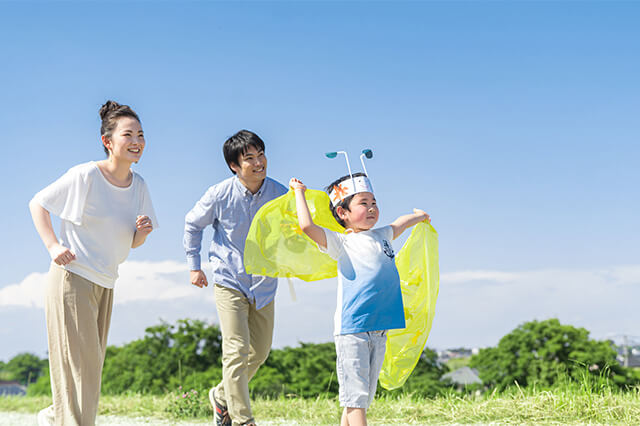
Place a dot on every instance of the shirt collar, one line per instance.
(245, 191)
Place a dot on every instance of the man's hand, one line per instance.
(198, 278)
(60, 254)
(296, 185)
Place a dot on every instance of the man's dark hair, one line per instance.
(344, 203)
(239, 144)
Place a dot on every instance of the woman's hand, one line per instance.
(60, 254)
(144, 225)
(143, 229)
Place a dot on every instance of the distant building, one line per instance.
(449, 354)
(463, 376)
(634, 361)
(12, 388)
(631, 358)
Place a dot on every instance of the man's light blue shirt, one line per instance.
(229, 208)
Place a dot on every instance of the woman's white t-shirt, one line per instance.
(98, 219)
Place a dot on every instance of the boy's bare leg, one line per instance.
(355, 416)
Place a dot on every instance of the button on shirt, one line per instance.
(229, 208)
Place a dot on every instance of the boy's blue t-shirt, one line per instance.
(369, 296)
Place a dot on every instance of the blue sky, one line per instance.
(514, 124)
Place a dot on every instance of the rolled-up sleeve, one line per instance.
(66, 196)
(201, 216)
(335, 244)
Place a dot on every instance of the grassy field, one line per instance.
(569, 405)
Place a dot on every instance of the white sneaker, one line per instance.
(46, 417)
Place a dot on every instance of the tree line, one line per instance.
(188, 354)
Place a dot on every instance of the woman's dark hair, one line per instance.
(238, 144)
(110, 113)
(344, 203)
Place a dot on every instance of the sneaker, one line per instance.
(46, 417)
(220, 412)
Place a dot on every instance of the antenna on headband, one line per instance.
(365, 153)
(355, 184)
(334, 154)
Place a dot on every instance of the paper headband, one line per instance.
(353, 185)
(349, 187)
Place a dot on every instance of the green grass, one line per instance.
(562, 405)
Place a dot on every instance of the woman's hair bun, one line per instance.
(110, 113)
(108, 107)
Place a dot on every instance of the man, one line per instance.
(244, 303)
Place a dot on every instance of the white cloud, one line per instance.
(167, 280)
(478, 311)
(474, 308)
(479, 275)
(28, 293)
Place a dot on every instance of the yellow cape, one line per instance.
(277, 247)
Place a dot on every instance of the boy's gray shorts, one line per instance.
(359, 361)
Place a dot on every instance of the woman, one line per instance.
(105, 209)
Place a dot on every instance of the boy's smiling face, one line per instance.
(362, 214)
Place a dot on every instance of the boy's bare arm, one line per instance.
(403, 222)
(315, 232)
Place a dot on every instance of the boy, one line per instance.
(369, 297)
(244, 303)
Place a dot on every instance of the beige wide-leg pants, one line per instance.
(246, 341)
(78, 315)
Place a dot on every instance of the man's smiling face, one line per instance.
(251, 167)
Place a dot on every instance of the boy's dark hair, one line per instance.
(344, 203)
(110, 113)
(238, 144)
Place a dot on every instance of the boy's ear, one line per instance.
(234, 166)
(341, 212)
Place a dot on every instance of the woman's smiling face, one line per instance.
(127, 141)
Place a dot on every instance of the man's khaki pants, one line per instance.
(78, 315)
(246, 341)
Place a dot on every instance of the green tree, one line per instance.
(4, 374)
(168, 356)
(42, 386)
(310, 370)
(541, 352)
(306, 371)
(25, 368)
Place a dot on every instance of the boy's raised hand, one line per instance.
(403, 222)
(426, 217)
(305, 220)
(295, 184)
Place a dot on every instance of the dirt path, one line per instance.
(21, 419)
